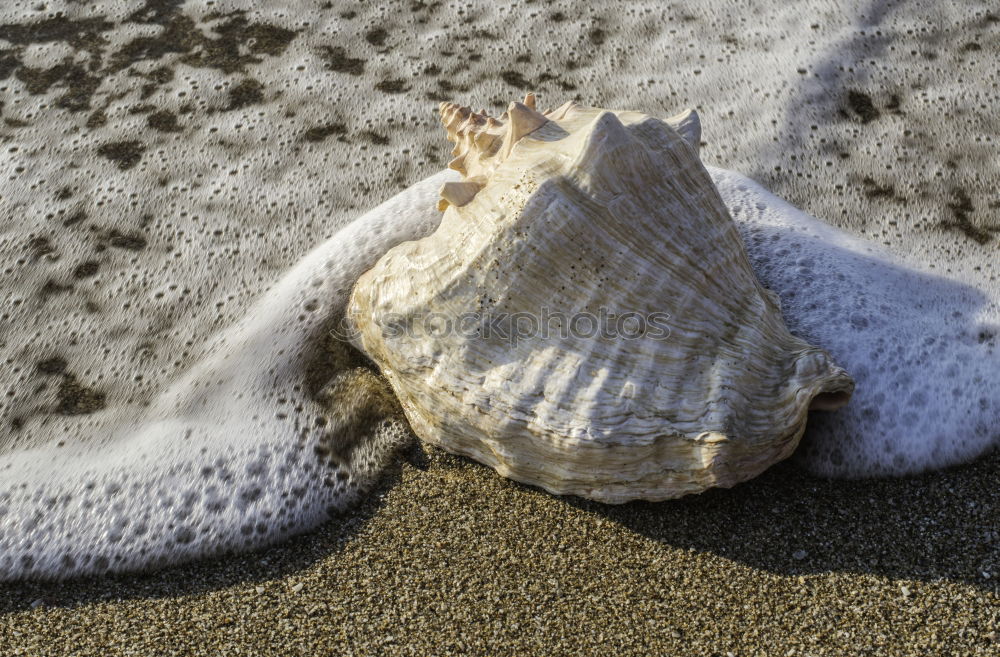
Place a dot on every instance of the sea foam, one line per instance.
(238, 452)
(922, 348)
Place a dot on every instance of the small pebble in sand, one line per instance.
(799, 555)
(297, 587)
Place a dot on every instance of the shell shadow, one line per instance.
(940, 525)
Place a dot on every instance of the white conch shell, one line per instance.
(572, 214)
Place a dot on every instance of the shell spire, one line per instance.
(483, 142)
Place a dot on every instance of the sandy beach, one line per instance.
(164, 165)
(450, 559)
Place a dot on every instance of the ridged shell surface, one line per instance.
(585, 318)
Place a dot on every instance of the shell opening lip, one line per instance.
(830, 401)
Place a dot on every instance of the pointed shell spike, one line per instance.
(560, 112)
(458, 164)
(484, 140)
(453, 116)
(529, 100)
(688, 125)
(523, 120)
(459, 193)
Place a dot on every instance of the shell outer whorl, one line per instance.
(585, 212)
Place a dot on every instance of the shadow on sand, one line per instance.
(940, 525)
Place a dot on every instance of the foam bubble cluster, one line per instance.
(275, 428)
(924, 349)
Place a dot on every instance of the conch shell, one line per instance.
(602, 215)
